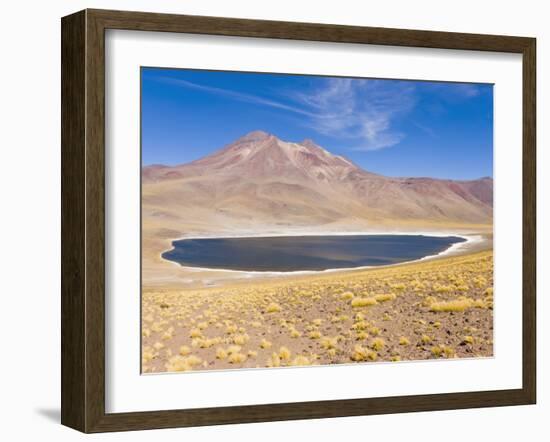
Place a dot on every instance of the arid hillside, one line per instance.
(261, 178)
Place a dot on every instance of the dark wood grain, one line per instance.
(529, 221)
(73, 251)
(145, 21)
(95, 221)
(83, 220)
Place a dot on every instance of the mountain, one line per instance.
(261, 155)
(261, 181)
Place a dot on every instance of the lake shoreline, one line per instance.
(193, 277)
(464, 240)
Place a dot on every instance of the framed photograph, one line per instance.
(268, 220)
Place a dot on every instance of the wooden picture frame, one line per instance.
(83, 220)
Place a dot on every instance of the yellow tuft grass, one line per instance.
(328, 342)
(195, 333)
(457, 305)
(300, 361)
(207, 343)
(375, 331)
(399, 286)
(274, 361)
(442, 350)
(360, 325)
(403, 340)
(385, 297)
(236, 358)
(428, 301)
(180, 363)
(156, 327)
(184, 350)
(363, 302)
(241, 339)
(377, 344)
(273, 308)
(284, 353)
(315, 334)
(221, 353)
(479, 303)
(361, 353)
(265, 343)
(230, 329)
(439, 288)
(147, 356)
(233, 349)
(193, 360)
(449, 352)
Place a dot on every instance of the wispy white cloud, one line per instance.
(360, 110)
(239, 96)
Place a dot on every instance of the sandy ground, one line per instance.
(431, 309)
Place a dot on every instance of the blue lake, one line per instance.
(300, 253)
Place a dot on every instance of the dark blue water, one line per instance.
(293, 253)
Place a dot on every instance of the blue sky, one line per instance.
(391, 127)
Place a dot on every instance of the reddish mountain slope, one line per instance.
(260, 180)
